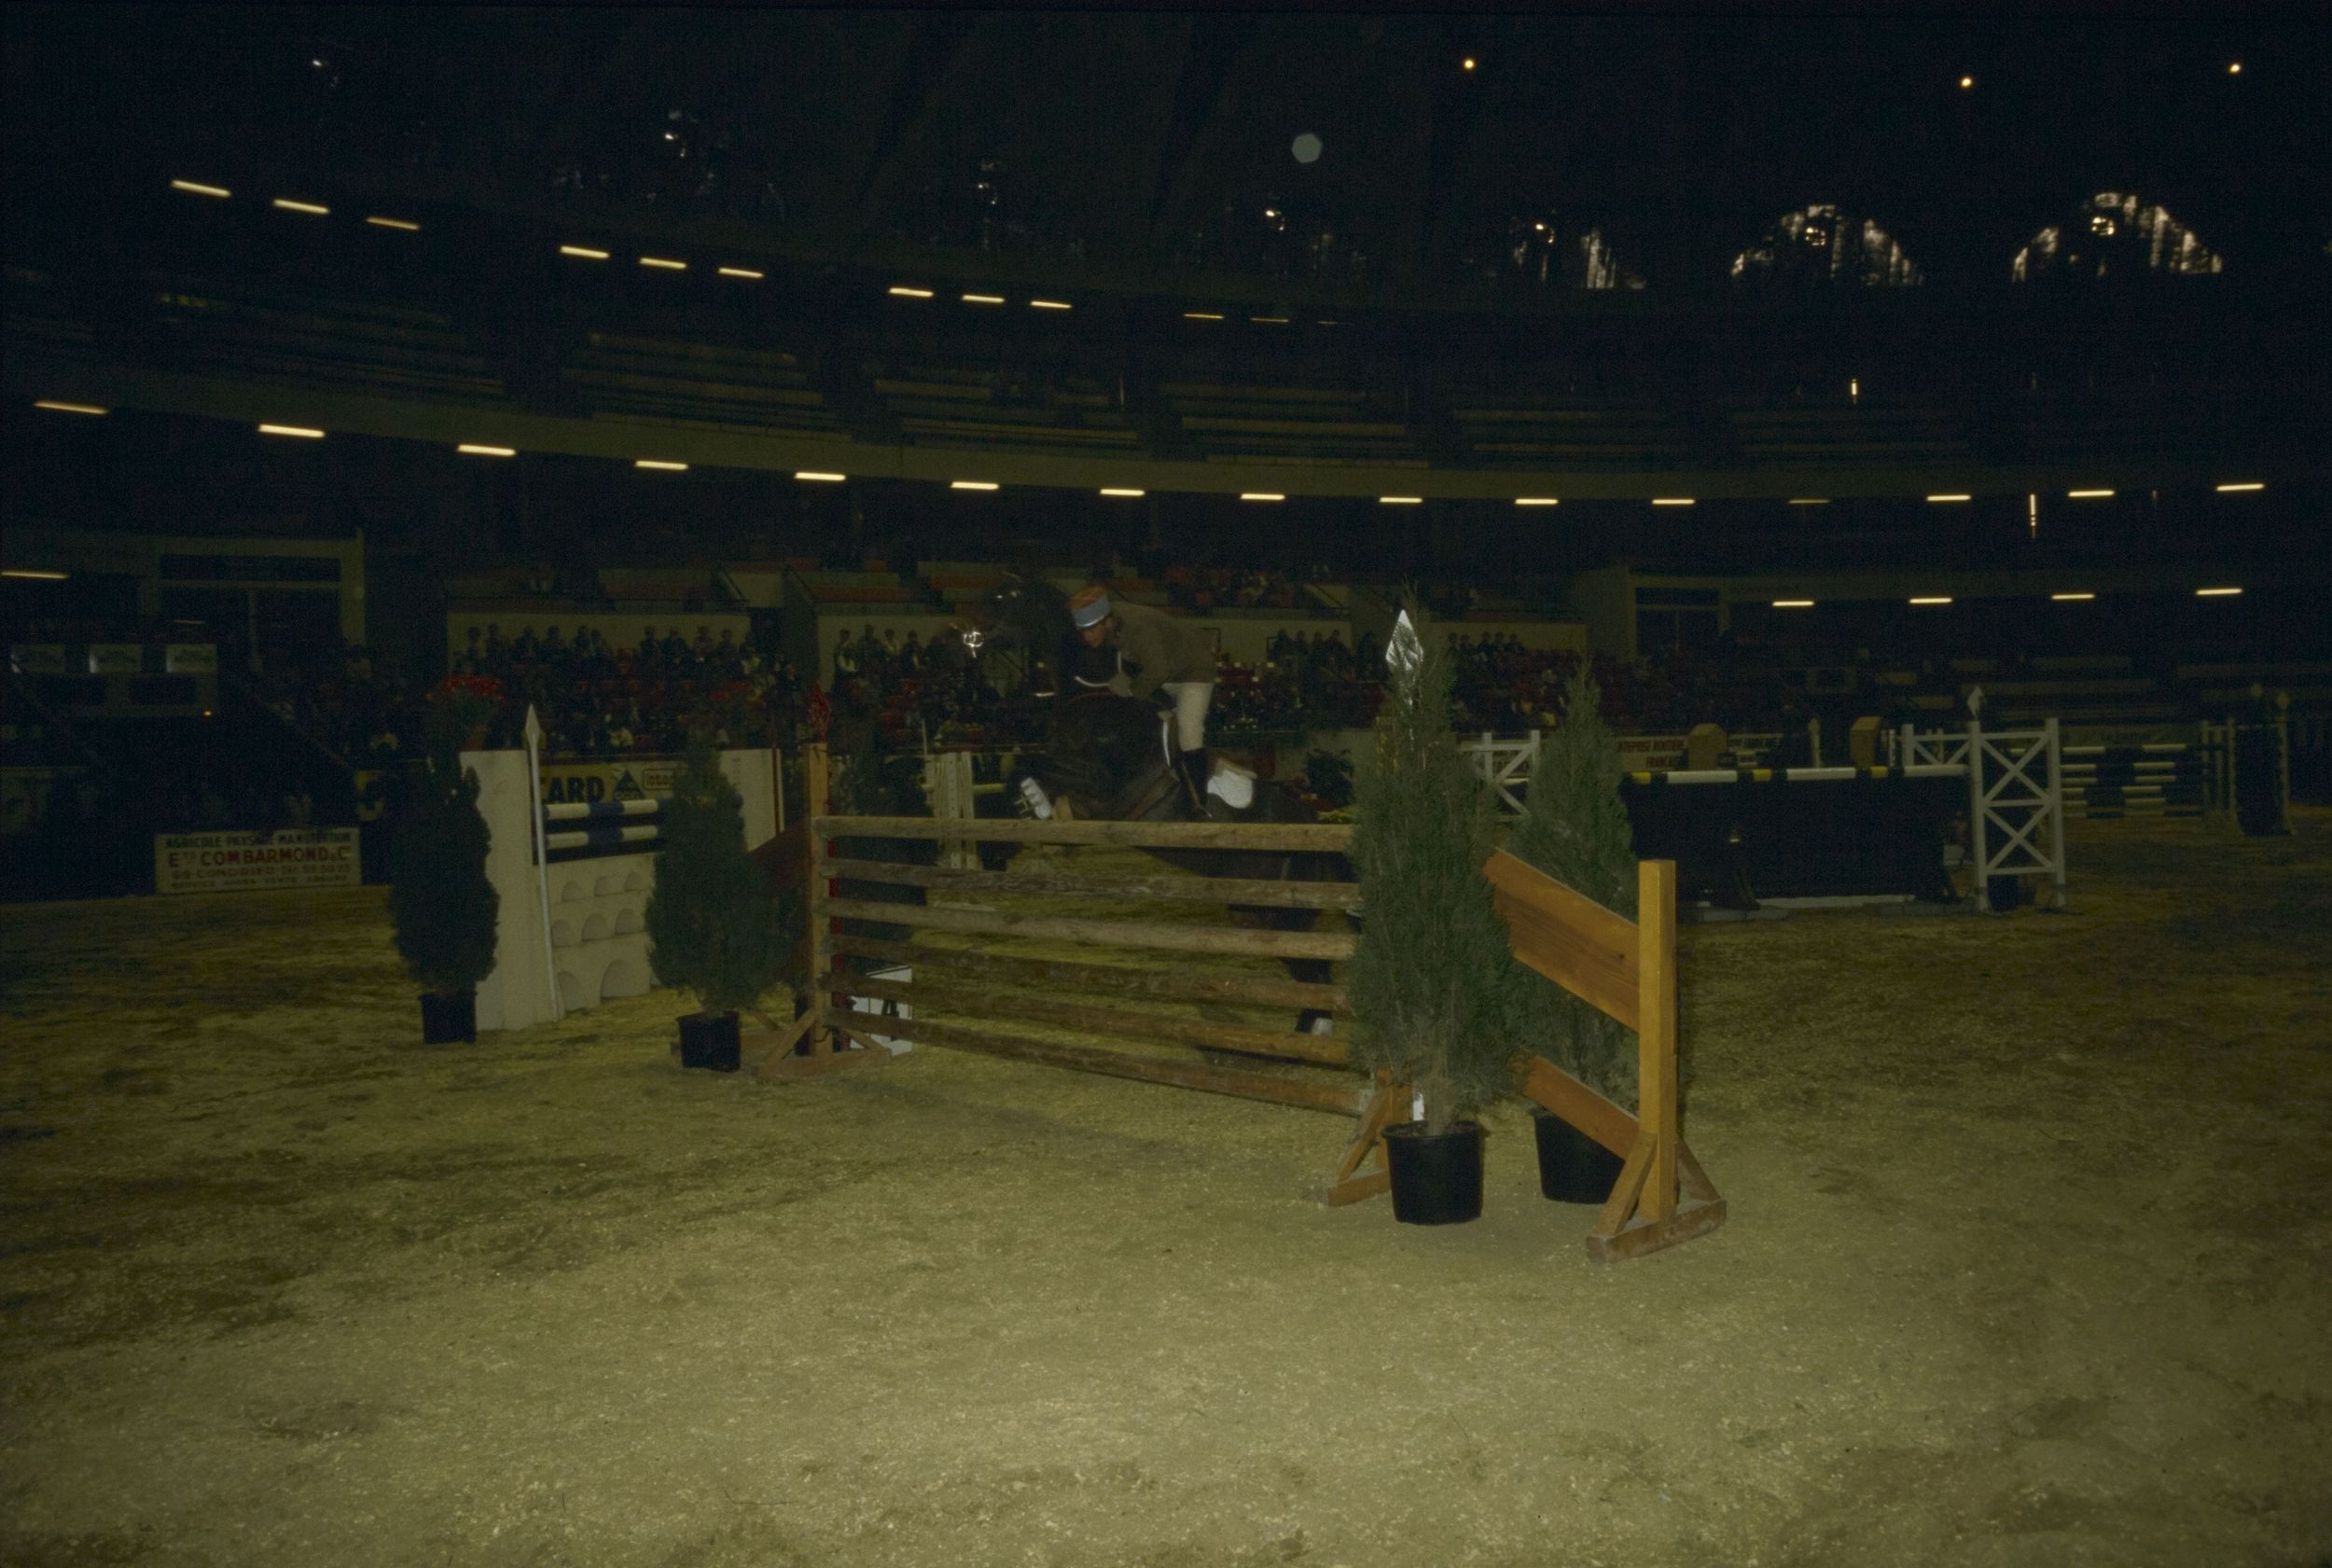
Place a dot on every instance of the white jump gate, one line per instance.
(573, 883)
(2016, 811)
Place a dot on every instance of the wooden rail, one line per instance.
(1625, 968)
(1192, 890)
(1317, 837)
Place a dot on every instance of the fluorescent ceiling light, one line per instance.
(1951, 498)
(1259, 495)
(299, 430)
(54, 407)
(586, 252)
(1792, 604)
(1537, 501)
(809, 476)
(2088, 494)
(1120, 490)
(740, 272)
(33, 574)
(983, 298)
(2217, 592)
(1268, 321)
(1049, 305)
(971, 484)
(192, 189)
(1400, 500)
(1200, 315)
(2070, 598)
(1671, 501)
(1933, 599)
(664, 262)
(1808, 500)
(660, 465)
(409, 226)
(2248, 484)
(288, 204)
(901, 291)
(476, 451)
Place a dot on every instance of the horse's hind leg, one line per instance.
(1311, 971)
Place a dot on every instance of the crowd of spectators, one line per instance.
(916, 691)
(1202, 590)
(596, 699)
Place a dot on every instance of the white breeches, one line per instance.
(1191, 699)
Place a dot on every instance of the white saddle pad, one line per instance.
(1232, 785)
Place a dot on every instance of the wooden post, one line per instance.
(1656, 1031)
(1627, 971)
(830, 1049)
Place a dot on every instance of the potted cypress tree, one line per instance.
(443, 907)
(711, 925)
(1430, 970)
(1575, 828)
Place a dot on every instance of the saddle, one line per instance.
(1226, 782)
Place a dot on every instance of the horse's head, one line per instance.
(1029, 617)
(1025, 611)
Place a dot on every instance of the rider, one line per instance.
(1155, 652)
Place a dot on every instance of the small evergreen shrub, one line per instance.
(1575, 828)
(443, 907)
(713, 927)
(1431, 974)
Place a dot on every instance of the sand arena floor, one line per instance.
(2028, 1265)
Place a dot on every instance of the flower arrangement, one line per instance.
(460, 705)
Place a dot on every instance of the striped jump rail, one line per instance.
(581, 830)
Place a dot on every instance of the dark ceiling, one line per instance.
(1148, 137)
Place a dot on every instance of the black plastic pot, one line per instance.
(709, 1040)
(448, 1020)
(1572, 1168)
(1437, 1176)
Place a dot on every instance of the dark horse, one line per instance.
(1108, 756)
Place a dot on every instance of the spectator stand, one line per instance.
(944, 395)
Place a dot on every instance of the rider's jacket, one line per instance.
(1156, 649)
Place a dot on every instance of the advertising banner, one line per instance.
(116, 659)
(632, 779)
(239, 862)
(1638, 753)
(37, 658)
(190, 658)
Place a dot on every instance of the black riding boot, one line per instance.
(1191, 765)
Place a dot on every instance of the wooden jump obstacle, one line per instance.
(1626, 969)
(1662, 1196)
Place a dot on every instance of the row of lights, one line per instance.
(674, 264)
(1259, 321)
(915, 291)
(293, 204)
(2077, 596)
(471, 449)
(585, 253)
(658, 263)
